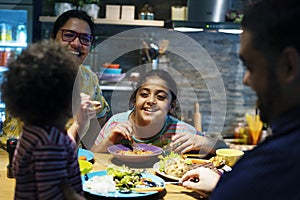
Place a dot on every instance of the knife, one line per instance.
(174, 182)
(149, 189)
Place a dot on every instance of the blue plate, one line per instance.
(88, 154)
(117, 194)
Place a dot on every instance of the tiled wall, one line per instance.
(223, 49)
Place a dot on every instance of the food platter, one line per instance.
(156, 168)
(86, 153)
(114, 149)
(118, 194)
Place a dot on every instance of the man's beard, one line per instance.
(270, 100)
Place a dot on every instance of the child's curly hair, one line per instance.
(38, 85)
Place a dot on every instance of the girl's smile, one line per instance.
(153, 102)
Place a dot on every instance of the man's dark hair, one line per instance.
(272, 25)
(63, 18)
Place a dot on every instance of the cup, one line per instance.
(255, 135)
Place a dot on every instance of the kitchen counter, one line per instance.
(101, 161)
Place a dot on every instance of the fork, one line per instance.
(134, 145)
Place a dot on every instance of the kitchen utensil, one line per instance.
(174, 182)
(149, 189)
(153, 51)
(163, 45)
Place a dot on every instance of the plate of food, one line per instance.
(126, 153)
(122, 182)
(84, 154)
(174, 166)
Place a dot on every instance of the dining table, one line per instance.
(102, 161)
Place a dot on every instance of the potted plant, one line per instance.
(61, 6)
(91, 7)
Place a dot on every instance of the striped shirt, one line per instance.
(172, 126)
(43, 158)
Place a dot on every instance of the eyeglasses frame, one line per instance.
(77, 35)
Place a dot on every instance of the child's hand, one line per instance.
(184, 142)
(120, 131)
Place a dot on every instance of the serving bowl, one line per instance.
(111, 65)
(231, 156)
(110, 70)
(134, 158)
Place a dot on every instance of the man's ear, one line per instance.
(290, 66)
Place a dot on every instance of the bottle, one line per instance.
(197, 117)
(150, 14)
(21, 34)
(11, 146)
(3, 32)
(142, 14)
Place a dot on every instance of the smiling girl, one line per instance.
(152, 119)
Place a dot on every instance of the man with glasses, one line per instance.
(74, 30)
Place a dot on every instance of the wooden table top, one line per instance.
(101, 162)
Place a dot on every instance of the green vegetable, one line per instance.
(124, 177)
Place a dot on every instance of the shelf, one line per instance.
(116, 87)
(13, 44)
(156, 23)
(206, 25)
(2, 69)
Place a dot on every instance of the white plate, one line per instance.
(156, 167)
(163, 174)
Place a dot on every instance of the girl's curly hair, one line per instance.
(38, 85)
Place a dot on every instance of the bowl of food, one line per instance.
(231, 156)
(85, 166)
(126, 153)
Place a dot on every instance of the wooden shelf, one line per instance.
(156, 23)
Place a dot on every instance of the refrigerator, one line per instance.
(16, 22)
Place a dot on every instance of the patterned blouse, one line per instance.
(172, 126)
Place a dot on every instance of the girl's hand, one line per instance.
(185, 142)
(122, 130)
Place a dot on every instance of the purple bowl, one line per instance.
(134, 158)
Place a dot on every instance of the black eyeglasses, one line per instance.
(69, 36)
